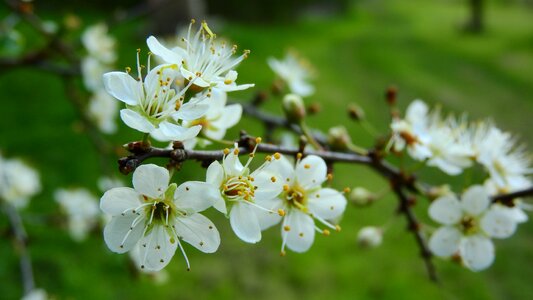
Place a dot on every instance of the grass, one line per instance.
(416, 46)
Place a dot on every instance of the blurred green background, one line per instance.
(358, 49)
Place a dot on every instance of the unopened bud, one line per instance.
(438, 191)
(294, 108)
(391, 95)
(356, 112)
(338, 138)
(361, 196)
(314, 108)
(370, 237)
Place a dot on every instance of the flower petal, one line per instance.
(231, 115)
(215, 174)
(445, 241)
(192, 110)
(283, 167)
(499, 222)
(327, 203)
(220, 205)
(123, 87)
(232, 165)
(156, 249)
(446, 210)
(117, 200)
(244, 222)
(136, 121)
(311, 172)
(301, 233)
(196, 196)
(171, 132)
(475, 200)
(198, 231)
(166, 54)
(268, 185)
(123, 232)
(477, 252)
(268, 219)
(151, 180)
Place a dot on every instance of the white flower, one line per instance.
(218, 118)
(507, 163)
(370, 237)
(35, 294)
(153, 106)
(295, 72)
(202, 59)
(154, 216)
(81, 208)
(241, 191)
(18, 182)
(431, 139)
(468, 226)
(99, 44)
(92, 70)
(106, 183)
(303, 199)
(103, 109)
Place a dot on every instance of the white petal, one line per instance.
(518, 214)
(499, 222)
(123, 232)
(244, 222)
(446, 210)
(283, 167)
(445, 241)
(326, 203)
(136, 121)
(152, 84)
(171, 132)
(477, 252)
(231, 115)
(301, 234)
(192, 110)
(268, 219)
(117, 200)
(196, 196)
(475, 200)
(215, 174)
(166, 54)
(233, 87)
(232, 165)
(123, 87)
(301, 88)
(311, 172)
(220, 205)
(445, 166)
(198, 231)
(151, 180)
(156, 249)
(268, 185)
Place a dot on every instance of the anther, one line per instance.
(307, 166)
(337, 228)
(286, 228)
(226, 151)
(281, 212)
(273, 179)
(325, 232)
(277, 155)
(346, 190)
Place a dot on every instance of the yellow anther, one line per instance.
(251, 155)
(236, 151)
(277, 155)
(285, 187)
(286, 228)
(301, 234)
(282, 253)
(337, 228)
(178, 105)
(128, 69)
(138, 50)
(228, 81)
(299, 156)
(281, 212)
(330, 177)
(193, 21)
(273, 179)
(325, 232)
(258, 140)
(307, 166)
(346, 190)
(226, 151)
(268, 158)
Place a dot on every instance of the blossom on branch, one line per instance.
(18, 182)
(154, 216)
(295, 71)
(303, 200)
(82, 211)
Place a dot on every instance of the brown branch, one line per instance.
(507, 199)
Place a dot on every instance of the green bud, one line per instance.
(294, 108)
(338, 138)
(361, 196)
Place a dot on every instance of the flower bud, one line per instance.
(438, 191)
(338, 138)
(356, 112)
(391, 95)
(361, 196)
(294, 108)
(370, 237)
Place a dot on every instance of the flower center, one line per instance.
(239, 187)
(295, 196)
(469, 225)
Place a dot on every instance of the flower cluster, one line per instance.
(155, 216)
(186, 94)
(81, 207)
(18, 182)
(295, 72)
(101, 56)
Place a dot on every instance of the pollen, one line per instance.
(337, 228)
(286, 228)
(299, 156)
(282, 253)
(281, 212)
(226, 151)
(258, 140)
(346, 190)
(277, 155)
(273, 179)
(128, 69)
(325, 232)
(268, 158)
(228, 81)
(236, 151)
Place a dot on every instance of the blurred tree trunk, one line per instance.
(476, 22)
(167, 15)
